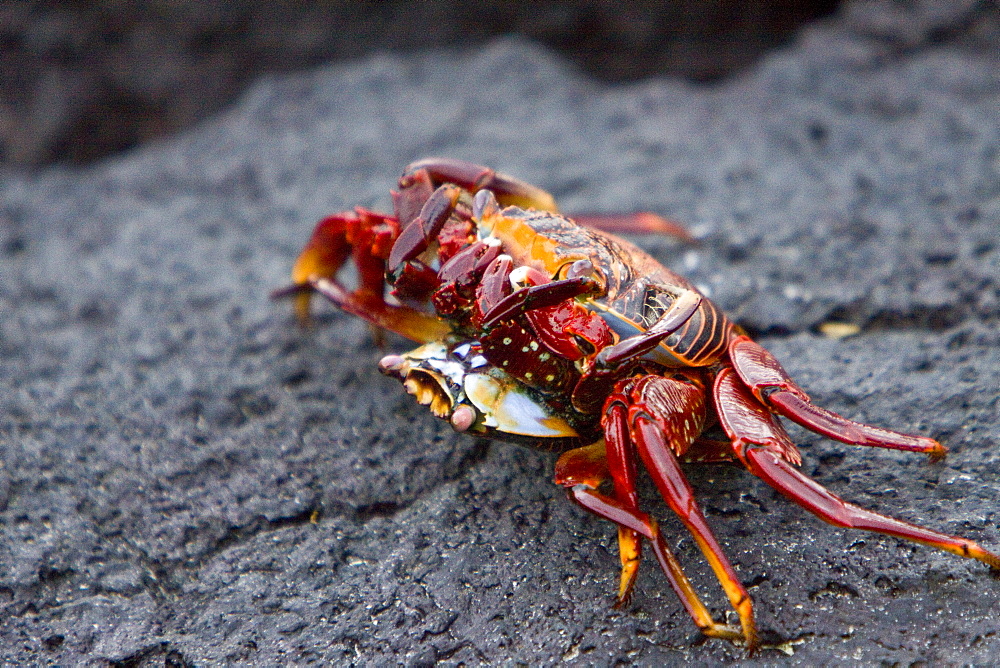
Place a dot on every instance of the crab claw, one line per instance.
(428, 386)
(393, 365)
(460, 386)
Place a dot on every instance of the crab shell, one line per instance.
(636, 288)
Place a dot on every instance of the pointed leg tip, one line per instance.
(990, 559)
(937, 452)
(657, 223)
(623, 601)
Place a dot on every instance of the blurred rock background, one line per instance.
(82, 80)
(186, 478)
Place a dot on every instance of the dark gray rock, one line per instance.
(189, 477)
(80, 81)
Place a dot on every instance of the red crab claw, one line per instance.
(762, 373)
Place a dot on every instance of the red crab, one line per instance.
(540, 330)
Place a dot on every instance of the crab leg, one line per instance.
(411, 323)
(364, 235)
(472, 177)
(622, 467)
(642, 222)
(771, 385)
(753, 441)
(680, 311)
(641, 523)
(581, 472)
(538, 296)
(661, 462)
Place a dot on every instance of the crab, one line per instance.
(552, 332)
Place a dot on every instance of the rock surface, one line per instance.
(82, 80)
(188, 476)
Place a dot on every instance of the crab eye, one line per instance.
(525, 276)
(484, 205)
(582, 268)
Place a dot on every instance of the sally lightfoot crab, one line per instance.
(554, 333)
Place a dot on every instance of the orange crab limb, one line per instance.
(588, 467)
(581, 472)
(622, 466)
(809, 494)
(662, 464)
(658, 417)
(641, 222)
(640, 523)
(414, 325)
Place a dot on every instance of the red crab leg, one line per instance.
(622, 467)
(405, 321)
(472, 177)
(657, 454)
(771, 384)
(581, 472)
(642, 222)
(363, 234)
(749, 425)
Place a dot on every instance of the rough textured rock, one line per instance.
(187, 476)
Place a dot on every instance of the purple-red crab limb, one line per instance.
(539, 329)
